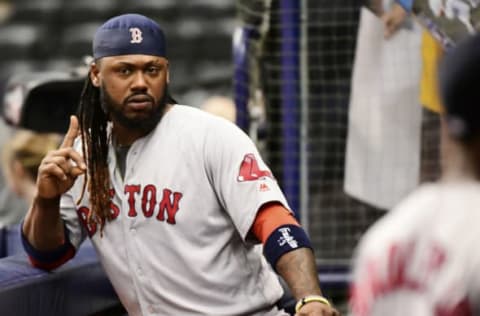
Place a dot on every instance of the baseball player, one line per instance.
(173, 198)
(422, 258)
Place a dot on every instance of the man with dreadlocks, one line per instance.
(173, 198)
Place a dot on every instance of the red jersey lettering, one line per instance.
(149, 200)
(114, 209)
(169, 206)
(83, 216)
(131, 190)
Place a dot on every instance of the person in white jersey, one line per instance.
(173, 198)
(422, 258)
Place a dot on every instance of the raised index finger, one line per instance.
(72, 132)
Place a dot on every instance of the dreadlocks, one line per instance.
(93, 126)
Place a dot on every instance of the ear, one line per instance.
(95, 74)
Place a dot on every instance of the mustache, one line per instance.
(145, 96)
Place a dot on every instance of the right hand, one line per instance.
(393, 20)
(60, 168)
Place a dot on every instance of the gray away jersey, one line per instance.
(177, 244)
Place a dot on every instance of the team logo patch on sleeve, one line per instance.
(250, 171)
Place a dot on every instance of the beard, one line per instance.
(145, 123)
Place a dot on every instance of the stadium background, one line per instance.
(286, 63)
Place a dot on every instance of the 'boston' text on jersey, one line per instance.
(165, 208)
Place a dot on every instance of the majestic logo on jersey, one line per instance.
(286, 238)
(136, 34)
(264, 187)
(250, 171)
(165, 205)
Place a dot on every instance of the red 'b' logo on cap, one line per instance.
(250, 171)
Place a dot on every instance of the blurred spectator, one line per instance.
(22, 155)
(394, 16)
(12, 207)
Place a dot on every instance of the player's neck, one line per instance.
(460, 161)
(125, 137)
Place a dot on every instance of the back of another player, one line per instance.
(422, 257)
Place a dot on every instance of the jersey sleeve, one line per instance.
(73, 237)
(68, 208)
(241, 179)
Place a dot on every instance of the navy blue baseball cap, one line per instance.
(129, 34)
(459, 81)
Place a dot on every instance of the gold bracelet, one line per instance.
(311, 298)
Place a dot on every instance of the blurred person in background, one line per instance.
(22, 155)
(394, 17)
(422, 258)
(12, 207)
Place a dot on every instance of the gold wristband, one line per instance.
(311, 298)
